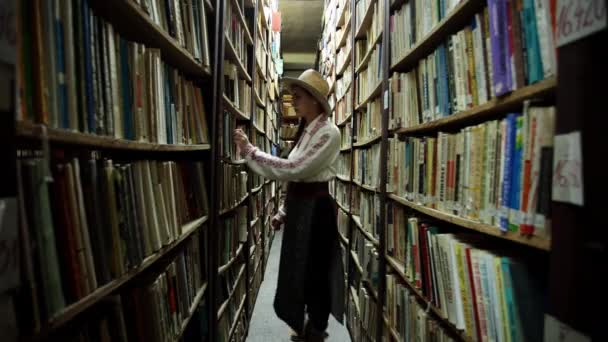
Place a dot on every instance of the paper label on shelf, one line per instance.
(386, 99)
(577, 19)
(9, 244)
(568, 169)
(556, 331)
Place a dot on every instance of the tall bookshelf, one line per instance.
(387, 114)
(124, 120)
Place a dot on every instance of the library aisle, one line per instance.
(265, 326)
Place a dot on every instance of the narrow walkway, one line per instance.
(265, 325)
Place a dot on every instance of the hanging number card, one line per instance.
(568, 169)
(577, 19)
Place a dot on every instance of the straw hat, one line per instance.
(313, 82)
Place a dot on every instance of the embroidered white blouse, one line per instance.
(313, 158)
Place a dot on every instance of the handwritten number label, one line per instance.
(578, 19)
(568, 169)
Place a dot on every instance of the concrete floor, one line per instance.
(265, 325)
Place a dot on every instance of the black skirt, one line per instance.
(310, 244)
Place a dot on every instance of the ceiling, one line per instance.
(300, 32)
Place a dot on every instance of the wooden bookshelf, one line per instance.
(235, 206)
(232, 55)
(130, 19)
(345, 92)
(193, 306)
(229, 105)
(258, 99)
(532, 241)
(356, 261)
(72, 310)
(342, 68)
(225, 267)
(365, 233)
(365, 186)
(345, 149)
(258, 129)
(371, 96)
(30, 131)
(237, 8)
(342, 17)
(343, 178)
(346, 120)
(343, 208)
(345, 35)
(459, 17)
(371, 48)
(343, 239)
(489, 110)
(225, 304)
(236, 318)
(257, 189)
(367, 20)
(368, 142)
(440, 317)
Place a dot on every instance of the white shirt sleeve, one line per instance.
(319, 154)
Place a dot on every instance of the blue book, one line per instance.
(62, 90)
(507, 169)
(127, 87)
(534, 61)
(88, 60)
(514, 324)
(445, 92)
(499, 44)
(516, 162)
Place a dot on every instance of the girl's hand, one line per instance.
(240, 138)
(277, 221)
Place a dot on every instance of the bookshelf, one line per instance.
(409, 207)
(141, 126)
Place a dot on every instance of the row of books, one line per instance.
(259, 118)
(228, 150)
(346, 135)
(367, 166)
(368, 122)
(498, 172)
(230, 281)
(163, 303)
(344, 106)
(228, 317)
(237, 89)
(371, 76)
(372, 33)
(368, 258)
(492, 56)
(288, 131)
(234, 185)
(353, 319)
(489, 291)
(361, 7)
(341, 193)
(369, 314)
(257, 205)
(343, 83)
(344, 52)
(157, 310)
(409, 318)
(186, 22)
(65, 207)
(82, 75)
(343, 223)
(260, 55)
(369, 213)
(235, 31)
(343, 165)
(232, 233)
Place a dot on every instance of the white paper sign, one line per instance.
(556, 331)
(9, 244)
(578, 18)
(8, 31)
(568, 169)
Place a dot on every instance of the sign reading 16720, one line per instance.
(579, 18)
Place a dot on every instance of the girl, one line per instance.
(311, 273)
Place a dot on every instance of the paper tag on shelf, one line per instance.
(386, 99)
(556, 331)
(577, 19)
(568, 169)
